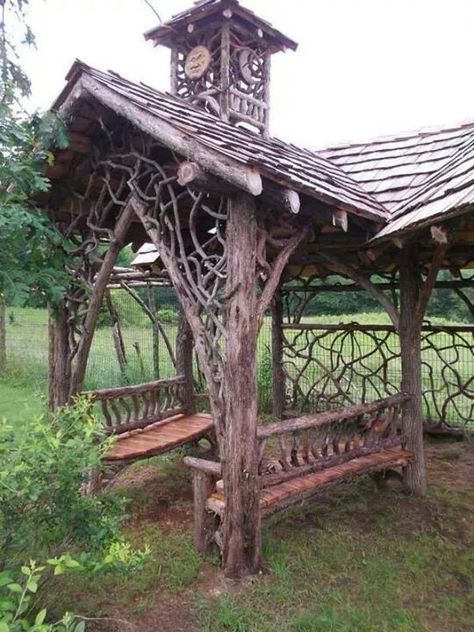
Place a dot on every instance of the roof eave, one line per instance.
(161, 33)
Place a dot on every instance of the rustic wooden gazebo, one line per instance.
(235, 215)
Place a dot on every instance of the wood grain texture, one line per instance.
(161, 437)
(281, 496)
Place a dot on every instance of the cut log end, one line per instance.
(254, 181)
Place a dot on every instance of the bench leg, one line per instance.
(204, 521)
(95, 483)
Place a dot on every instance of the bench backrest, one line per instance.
(315, 442)
(131, 407)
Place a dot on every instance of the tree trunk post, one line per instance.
(155, 331)
(184, 362)
(278, 375)
(3, 336)
(204, 520)
(59, 370)
(410, 343)
(241, 532)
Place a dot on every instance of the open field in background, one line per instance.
(27, 351)
(19, 403)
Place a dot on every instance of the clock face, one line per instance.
(197, 62)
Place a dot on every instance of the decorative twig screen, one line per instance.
(328, 366)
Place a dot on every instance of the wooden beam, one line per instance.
(175, 139)
(346, 270)
(95, 303)
(284, 198)
(454, 285)
(192, 174)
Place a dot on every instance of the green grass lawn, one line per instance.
(354, 560)
(18, 402)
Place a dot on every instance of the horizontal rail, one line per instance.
(354, 287)
(122, 391)
(322, 419)
(207, 467)
(387, 328)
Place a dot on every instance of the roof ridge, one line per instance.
(401, 136)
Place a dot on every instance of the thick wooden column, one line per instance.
(241, 536)
(184, 362)
(410, 344)
(3, 335)
(278, 375)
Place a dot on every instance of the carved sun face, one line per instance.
(197, 62)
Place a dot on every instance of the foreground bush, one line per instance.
(16, 613)
(44, 467)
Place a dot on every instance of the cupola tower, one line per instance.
(220, 60)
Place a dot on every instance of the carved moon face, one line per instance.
(197, 62)
(246, 69)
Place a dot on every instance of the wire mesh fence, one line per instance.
(361, 362)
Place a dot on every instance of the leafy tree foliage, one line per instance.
(31, 253)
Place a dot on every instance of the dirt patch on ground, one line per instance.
(168, 614)
(452, 464)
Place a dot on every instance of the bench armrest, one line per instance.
(211, 468)
(319, 420)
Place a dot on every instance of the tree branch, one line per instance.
(428, 285)
(364, 282)
(276, 272)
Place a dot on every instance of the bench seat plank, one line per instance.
(160, 437)
(296, 489)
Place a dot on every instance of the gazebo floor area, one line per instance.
(353, 558)
(160, 437)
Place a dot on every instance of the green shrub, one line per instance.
(46, 464)
(167, 316)
(16, 608)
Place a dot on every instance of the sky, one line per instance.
(363, 68)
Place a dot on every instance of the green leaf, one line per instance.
(15, 588)
(32, 585)
(40, 617)
(5, 578)
(4, 627)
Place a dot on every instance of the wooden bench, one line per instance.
(149, 419)
(304, 456)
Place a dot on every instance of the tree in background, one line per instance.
(31, 253)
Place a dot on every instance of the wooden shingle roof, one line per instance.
(208, 9)
(418, 177)
(402, 182)
(283, 163)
